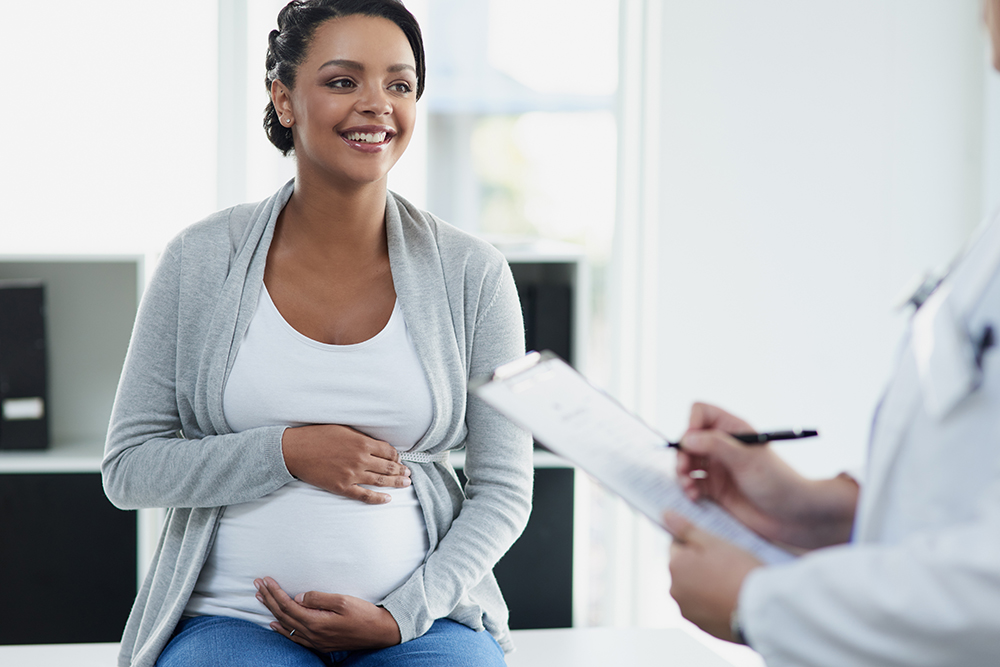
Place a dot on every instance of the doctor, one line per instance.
(906, 572)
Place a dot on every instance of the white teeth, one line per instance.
(367, 138)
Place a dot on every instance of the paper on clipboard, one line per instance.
(582, 424)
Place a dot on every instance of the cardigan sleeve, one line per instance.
(157, 454)
(499, 469)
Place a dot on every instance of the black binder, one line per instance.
(23, 366)
(548, 317)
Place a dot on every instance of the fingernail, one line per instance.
(670, 522)
(275, 626)
(691, 440)
(300, 598)
(406, 471)
(257, 584)
(260, 598)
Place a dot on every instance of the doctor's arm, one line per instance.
(762, 491)
(932, 599)
(706, 575)
(757, 487)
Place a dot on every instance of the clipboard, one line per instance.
(582, 424)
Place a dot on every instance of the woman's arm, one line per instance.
(148, 462)
(499, 469)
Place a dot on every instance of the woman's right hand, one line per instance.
(757, 487)
(340, 459)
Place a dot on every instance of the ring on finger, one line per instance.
(290, 634)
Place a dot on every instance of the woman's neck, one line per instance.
(335, 219)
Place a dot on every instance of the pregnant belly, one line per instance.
(307, 539)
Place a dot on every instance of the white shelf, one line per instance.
(72, 457)
(533, 250)
(90, 307)
(543, 459)
(86, 457)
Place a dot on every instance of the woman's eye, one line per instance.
(340, 83)
(401, 87)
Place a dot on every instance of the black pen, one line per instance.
(764, 438)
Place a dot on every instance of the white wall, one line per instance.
(785, 168)
(109, 123)
(113, 127)
(814, 157)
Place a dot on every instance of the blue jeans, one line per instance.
(219, 641)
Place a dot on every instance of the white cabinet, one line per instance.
(543, 576)
(61, 538)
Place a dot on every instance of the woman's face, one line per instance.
(354, 103)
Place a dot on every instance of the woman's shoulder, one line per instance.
(224, 223)
(216, 234)
(455, 246)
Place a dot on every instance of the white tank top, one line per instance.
(303, 537)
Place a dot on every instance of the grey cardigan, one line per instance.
(169, 444)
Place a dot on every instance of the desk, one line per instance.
(570, 647)
(599, 647)
(59, 655)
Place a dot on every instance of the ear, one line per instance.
(282, 101)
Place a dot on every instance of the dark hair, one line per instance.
(297, 23)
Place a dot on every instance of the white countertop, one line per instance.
(572, 647)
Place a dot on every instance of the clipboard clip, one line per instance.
(920, 289)
(512, 368)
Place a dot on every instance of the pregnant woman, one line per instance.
(296, 378)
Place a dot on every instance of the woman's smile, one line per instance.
(368, 139)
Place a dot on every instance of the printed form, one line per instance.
(585, 426)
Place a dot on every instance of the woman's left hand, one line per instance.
(328, 622)
(706, 574)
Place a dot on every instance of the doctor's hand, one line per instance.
(328, 622)
(339, 459)
(706, 575)
(757, 487)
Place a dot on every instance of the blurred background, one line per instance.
(752, 186)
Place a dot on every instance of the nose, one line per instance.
(374, 101)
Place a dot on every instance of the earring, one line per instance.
(288, 121)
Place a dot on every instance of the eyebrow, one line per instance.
(355, 65)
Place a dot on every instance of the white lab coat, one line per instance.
(920, 582)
